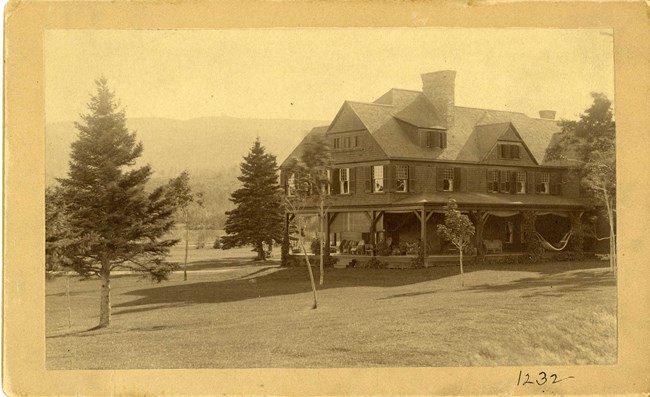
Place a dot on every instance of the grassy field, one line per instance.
(235, 313)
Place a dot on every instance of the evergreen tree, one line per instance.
(112, 223)
(257, 218)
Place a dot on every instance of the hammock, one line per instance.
(548, 246)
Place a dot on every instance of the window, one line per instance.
(327, 186)
(543, 183)
(505, 182)
(346, 142)
(448, 179)
(402, 177)
(291, 185)
(509, 151)
(436, 139)
(337, 143)
(378, 179)
(493, 181)
(521, 182)
(356, 141)
(344, 179)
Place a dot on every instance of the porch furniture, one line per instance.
(358, 248)
(343, 246)
(494, 246)
(369, 249)
(351, 245)
(550, 247)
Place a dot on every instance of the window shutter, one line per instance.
(505, 151)
(538, 178)
(368, 178)
(458, 181)
(555, 182)
(530, 182)
(414, 173)
(440, 176)
(353, 180)
(422, 136)
(335, 181)
(443, 139)
(283, 181)
(514, 151)
(389, 177)
(513, 182)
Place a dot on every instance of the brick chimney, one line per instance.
(547, 114)
(439, 87)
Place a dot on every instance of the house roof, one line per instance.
(311, 135)
(470, 137)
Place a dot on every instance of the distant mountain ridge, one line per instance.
(203, 146)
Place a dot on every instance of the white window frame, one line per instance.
(520, 182)
(291, 185)
(448, 179)
(493, 181)
(344, 180)
(504, 183)
(328, 186)
(546, 182)
(377, 178)
(402, 177)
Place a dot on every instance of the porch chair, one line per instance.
(496, 246)
(358, 249)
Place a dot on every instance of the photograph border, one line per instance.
(24, 184)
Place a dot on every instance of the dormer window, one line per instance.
(508, 151)
(433, 139)
(337, 143)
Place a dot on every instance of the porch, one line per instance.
(406, 261)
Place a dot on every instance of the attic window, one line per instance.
(509, 151)
(337, 143)
(434, 139)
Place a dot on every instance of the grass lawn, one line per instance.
(235, 313)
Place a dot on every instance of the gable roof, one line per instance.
(311, 136)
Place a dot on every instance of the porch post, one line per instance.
(288, 217)
(423, 231)
(481, 218)
(373, 233)
(326, 253)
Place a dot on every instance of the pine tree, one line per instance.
(112, 222)
(257, 218)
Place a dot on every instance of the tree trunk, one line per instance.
(612, 237)
(105, 302)
(260, 251)
(67, 294)
(311, 274)
(187, 241)
(321, 241)
(462, 281)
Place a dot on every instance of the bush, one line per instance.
(418, 260)
(374, 263)
(200, 245)
(383, 249)
(315, 246)
(217, 243)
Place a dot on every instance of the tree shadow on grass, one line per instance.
(553, 285)
(289, 281)
(285, 281)
(221, 263)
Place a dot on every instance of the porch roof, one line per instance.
(492, 199)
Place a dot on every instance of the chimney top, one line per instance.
(439, 88)
(547, 114)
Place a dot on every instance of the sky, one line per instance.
(308, 73)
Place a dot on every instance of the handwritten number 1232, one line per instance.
(525, 379)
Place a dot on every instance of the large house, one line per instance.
(398, 160)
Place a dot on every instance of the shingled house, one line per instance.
(399, 159)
